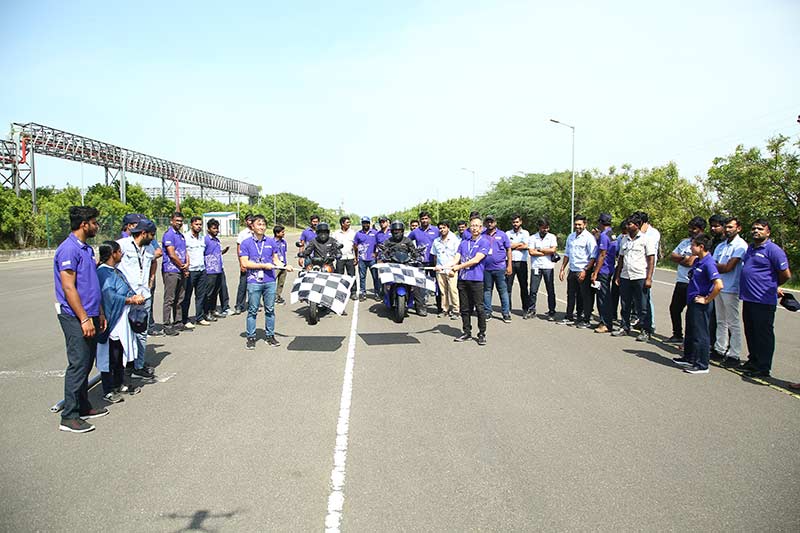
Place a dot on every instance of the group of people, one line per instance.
(105, 306)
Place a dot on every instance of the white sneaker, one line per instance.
(189, 325)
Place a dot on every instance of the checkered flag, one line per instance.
(404, 274)
(324, 288)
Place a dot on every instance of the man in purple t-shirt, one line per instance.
(175, 269)
(383, 234)
(602, 274)
(212, 256)
(764, 269)
(704, 286)
(80, 315)
(497, 267)
(308, 235)
(364, 247)
(424, 235)
(469, 264)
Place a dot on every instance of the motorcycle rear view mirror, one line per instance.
(339, 245)
(298, 244)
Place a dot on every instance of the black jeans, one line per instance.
(759, 332)
(470, 296)
(696, 346)
(676, 307)
(348, 266)
(519, 269)
(580, 293)
(549, 283)
(116, 372)
(224, 299)
(241, 292)
(633, 297)
(81, 353)
(196, 282)
(614, 299)
(213, 286)
(605, 301)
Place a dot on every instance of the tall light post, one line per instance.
(572, 216)
(474, 180)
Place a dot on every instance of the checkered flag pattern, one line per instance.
(405, 274)
(324, 288)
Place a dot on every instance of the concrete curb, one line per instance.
(9, 256)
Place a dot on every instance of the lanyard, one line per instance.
(260, 250)
(139, 257)
(471, 248)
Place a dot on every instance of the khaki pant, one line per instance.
(448, 288)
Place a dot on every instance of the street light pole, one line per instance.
(474, 180)
(572, 215)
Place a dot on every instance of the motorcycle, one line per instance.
(318, 264)
(399, 297)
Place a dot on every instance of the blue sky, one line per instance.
(378, 105)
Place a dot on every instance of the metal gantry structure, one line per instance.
(17, 166)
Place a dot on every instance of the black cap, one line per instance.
(144, 225)
(383, 219)
(131, 218)
(604, 219)
(489, 217)
(790, 302)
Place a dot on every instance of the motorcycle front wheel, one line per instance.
(313, 313)
(399, 308)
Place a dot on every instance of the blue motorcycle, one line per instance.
(399, 297)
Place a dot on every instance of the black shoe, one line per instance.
(75, 425)
(129, 389)
(583, 325)
(757, 374)
(507, 319)
(237, 311)
(489, 316)
(620, 332)
(272, 341)
(362, 297)
(551, 317)
(251, 343)
(731, 362)
(716, 356)
(481, 340)
(747, 366)
(210, 317)
(422, 312)
(528, 314)
(643, 337)
(353, 297)
(113, 397)
(279, 300)
(682, 361)
(463, 337)
(170, 332)
(143, 373)
(153, 332)
(675, 339)
(94, 413)
(218, 314)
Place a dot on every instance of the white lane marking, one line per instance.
(34, 374)
(333, 519)
(166, 377)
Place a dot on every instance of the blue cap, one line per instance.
(144, 225)
(366, 219)
(131, 218)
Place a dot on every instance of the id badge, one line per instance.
(535, 271)
(259, 275)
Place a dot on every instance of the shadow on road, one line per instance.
(315, 344)
(652, 357)
(198, 519)
(153, 357)
(386, 339)
(444, 329)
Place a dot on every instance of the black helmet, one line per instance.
(397, 229)
(323, 232)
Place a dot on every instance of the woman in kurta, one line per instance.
(116, 345)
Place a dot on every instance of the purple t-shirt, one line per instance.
(280, 249)
(382, 236)
(467, 250)
(604, 243)
(176, 239)
(308, 235)
(609, 265)
(704, 272)
(258, 252)
(72, 254)
(212, 255)
(758, 282)
(424, 237)
(496, 260)
(366, 241)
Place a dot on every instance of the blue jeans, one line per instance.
(256, 292)
(495, 278)
(363, 267)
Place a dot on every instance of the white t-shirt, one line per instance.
(243, 236)
(345, 238)
(537, 242)
(635, 252)
(196, 248)
(683, 249)
(518, 237)
(135, 265)
(654, 235)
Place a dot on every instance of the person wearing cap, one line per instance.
(468, 265)
(444, 249)
(212, 257)
(174, 270)
(128, 222)
(423, 236)
(139, 266)
(497, 266)
(541, 247)
(728, 256)
(364, 247)
(308, 235)
(80, 315)
(764, 269)
(603, 272)
(579, 255)
(241, 290)
(345, 236)
(682, 256)
(383, 232)
(196, 280)
(519, 237)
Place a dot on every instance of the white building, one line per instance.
(228, 222)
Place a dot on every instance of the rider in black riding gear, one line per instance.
(323, 245)
(398, 242)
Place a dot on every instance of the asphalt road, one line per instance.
(545, 428)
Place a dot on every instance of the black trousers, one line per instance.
(696, 346)
(676, 307)
(605, 301)
(633, 298)
(759, 333)
(579, 293)
(519, 269)
(213, 286)
(174, 287)
(347, 266)
(614, 299)
(196, 282)
(712, 325)
(116, 372)
(224, 298)
(548, 275)
(241, 292)
(470, 296)
(81, 353)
